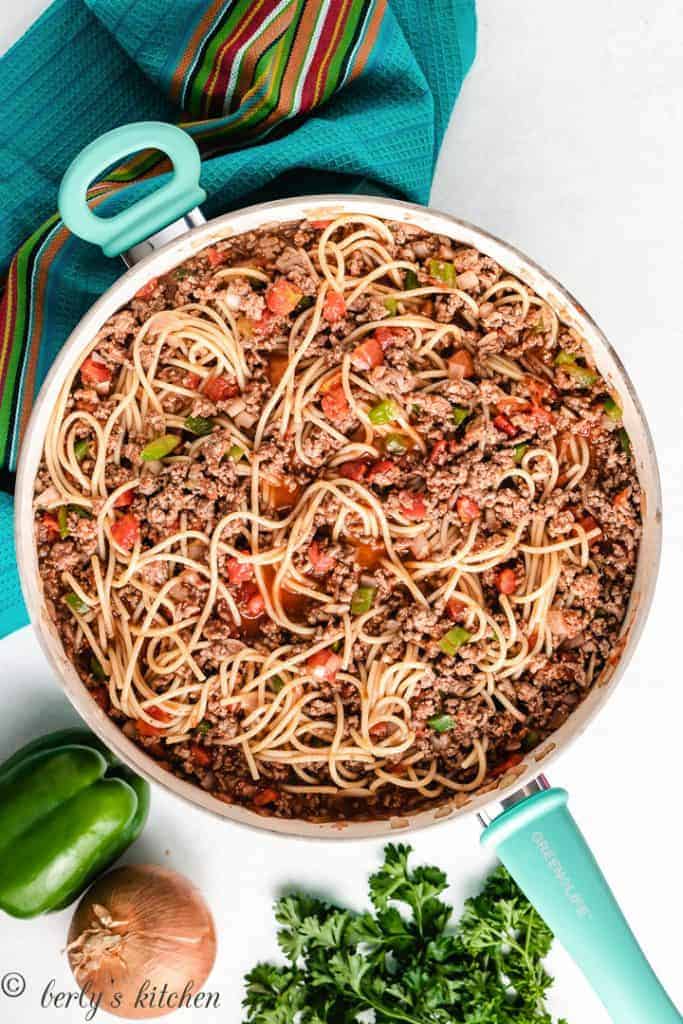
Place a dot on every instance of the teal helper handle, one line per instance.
(172, 200)
(542, 847)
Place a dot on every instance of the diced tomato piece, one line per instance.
(265, 325)
(145, 729)
(439, 450)
(467, 509)
(504, 766)
(251, 601)
(461, 364)
(540, 391)
(386, 335)
(589, 523)
(218, 389)
(368, 354)
(156, 712)
(379, 730)
(192, 381)
(324, 665)
(147, 290)
(238, 572)
(330, 384)
(355, 469)
(255, 606)
(94, 372)
(335, 307)
(506, 581)
(215, 256)
(620, 498)
(50, 523)
(125, 498)
(320, 225)
(503, 424)
(379, 468)
(282, 297)
(126, 531)
(413, 506)
(510, 404)
(321, 560)
(456, 609)
(265, 796)
(200, 755)
(335, 405)
(542, 415)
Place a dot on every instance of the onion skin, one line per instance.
(137, 924)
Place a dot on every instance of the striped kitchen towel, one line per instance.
(282, 96)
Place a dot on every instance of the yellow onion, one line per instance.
(140, 931)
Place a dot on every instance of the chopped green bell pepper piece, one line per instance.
(62, 521)
(74, 602)
(518, 452)
(362, 600)
(97, 670)
(460, 414)
(385, 411)
(624, 441)
(410, 281)
(612, 409)
(567, 360)
(443, 271)
(159, 448)
(199, 425)
(235, 452)
(585, 377)
(81, 449)
(80, 511)
(67, 810)
(441, 723)
(453, 639)
(391, 306)
(396, 444)
(531, 740)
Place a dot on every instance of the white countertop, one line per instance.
(566, 141)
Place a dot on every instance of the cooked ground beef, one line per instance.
(450, 473)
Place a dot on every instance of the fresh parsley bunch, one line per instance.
(410, 967)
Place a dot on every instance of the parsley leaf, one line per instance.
(402, 962)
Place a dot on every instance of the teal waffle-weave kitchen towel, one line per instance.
(282, 96)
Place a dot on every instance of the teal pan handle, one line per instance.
(542, 847)
(172, 200)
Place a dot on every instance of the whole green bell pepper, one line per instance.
(68, 808)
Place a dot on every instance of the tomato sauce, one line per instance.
(295, 605)
(369, 555)
(277, 364)
(281, 496)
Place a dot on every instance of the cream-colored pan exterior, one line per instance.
(318, 207)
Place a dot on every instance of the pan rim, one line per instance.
(176, 252)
